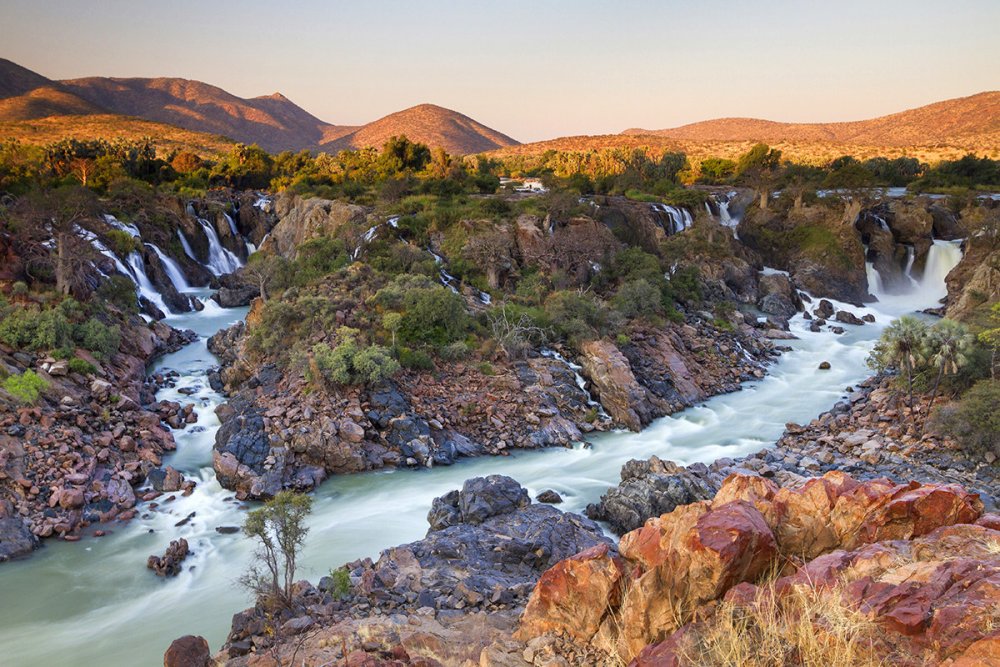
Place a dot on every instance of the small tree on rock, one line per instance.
(280, 531)
(899, 349)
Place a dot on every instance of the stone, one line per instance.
(169, 565)
(847, 317)
(824, 365)
(549, 496)
(188, 651)
(484, 497)
(16, 539)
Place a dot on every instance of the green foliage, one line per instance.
(577, 316)
(416, 360)
(716, 170)
(899, 348)
(81, 366)
(316, 258)
(121, 242)
(454, 351)
(638, 298)
(974, 421)
(120, 292)
(431, 313)
(31, 329)
(279, 531)
(99, 338)
(26, 387)
(351, 364)
(341, 583)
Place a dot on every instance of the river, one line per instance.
(95, 603)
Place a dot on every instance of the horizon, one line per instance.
(533, 76)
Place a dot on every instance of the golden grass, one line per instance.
(808, 626)
(43, 131)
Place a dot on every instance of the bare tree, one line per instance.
(49, 221)
(262, 270)
(493, 252)
(575, 248)
(514, 332)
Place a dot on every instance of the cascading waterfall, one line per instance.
(172, 268)
(221, 260)
(942, 257)
(680, 218)
(142, 281)
(186, 245)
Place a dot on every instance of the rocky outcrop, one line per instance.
(486, 548)
(974, 284)
(627, 401)
(171, 562)
(680, 561)
(78, 456)
(821, 251)
(302, 220)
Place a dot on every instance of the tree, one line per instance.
(280, 531)
(798, 179)
(55, 215)
(757, 168)
(514, 331)
(991, 338)
(899, 348)
(391, 322)
(946, 347)
(492, 251)
(263, 270)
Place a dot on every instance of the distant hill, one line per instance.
(429, 124)
(971, 121)
(272, 121)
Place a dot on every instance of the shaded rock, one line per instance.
(549, 497)
(169, 564)
(16, 539)
(188, 651)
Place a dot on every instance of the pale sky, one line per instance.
(533, 70)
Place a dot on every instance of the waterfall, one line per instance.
(186, 245)
(146, 289)
(118, 224)
(911, 255)
(220, 259)
(232, 225)
(680, 218)
(942, 257)
(171, 267)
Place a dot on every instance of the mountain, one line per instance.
(962, 120)
(272, 121)
(25, 95)
(429, 124)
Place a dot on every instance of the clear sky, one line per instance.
(533, 69)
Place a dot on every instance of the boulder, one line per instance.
(627, 401)
(16, 539)
(188, 651)
(170, 563)
(848, 317)
(824, 310)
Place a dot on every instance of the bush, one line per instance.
(99, 338)
(81, 366)
(974, 420)
(36, 330)
(120, 292)
(26, 387)
(280, 531)
(121, 242)
(350, 364)
(454, 351)
(341, 583)
(416, 360)
(637, 298)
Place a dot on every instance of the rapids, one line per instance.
(95, 603)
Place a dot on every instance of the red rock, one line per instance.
(188, 651)
(572, 597)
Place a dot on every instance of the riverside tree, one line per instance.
(279, 530)
(947, 346)
(899, 349)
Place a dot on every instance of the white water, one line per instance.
(680, 218)
(94, 603)
(172, 268)
(138, 272)
(186, 245)
(221, 260)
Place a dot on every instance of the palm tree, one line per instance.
(946, 347)
(899, 348)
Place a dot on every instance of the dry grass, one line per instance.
(809, 627)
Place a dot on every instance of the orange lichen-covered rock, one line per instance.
(572, 597)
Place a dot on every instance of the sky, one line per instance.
(533, 70)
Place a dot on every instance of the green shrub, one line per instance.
(36, 330)
(120, 292)
(26, 387)
(350, 364)
(81, 366)
(341, 583)
(454, 351)
(416, 360)
(121, 242)
(637, 298)
(99, 338)
(974, 420)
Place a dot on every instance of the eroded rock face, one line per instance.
(695, 554)
(627, 401)
(302, 220)
(188, 651)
